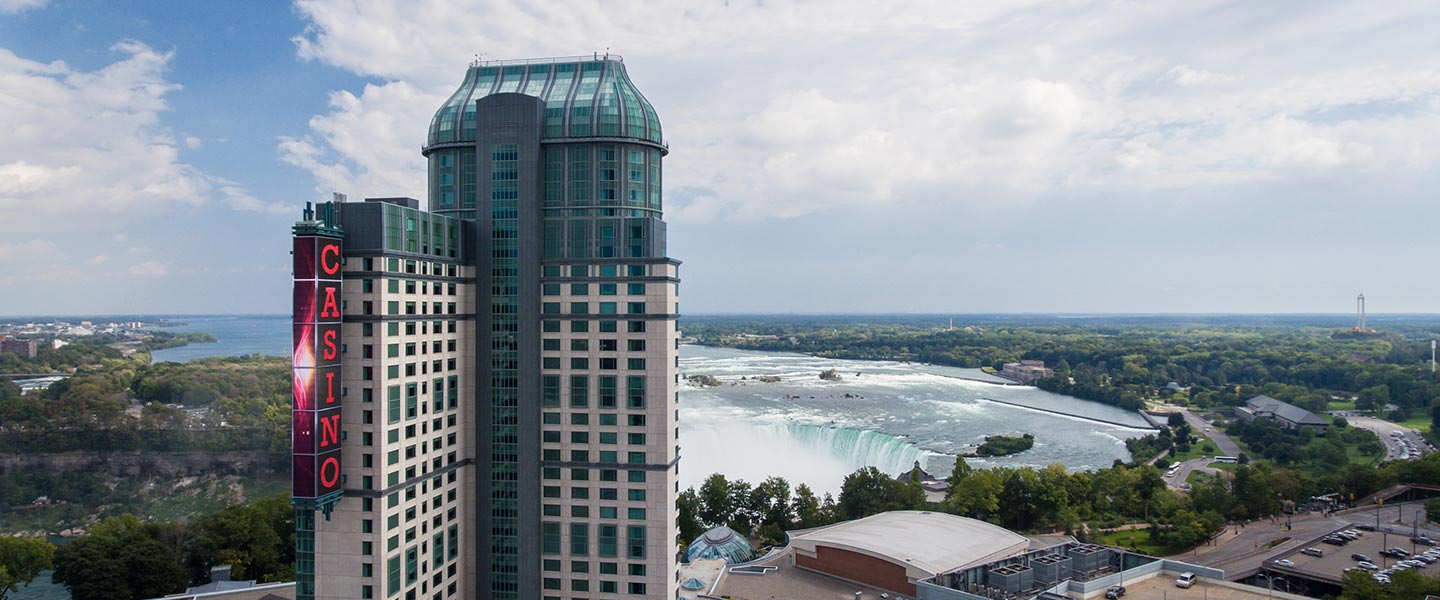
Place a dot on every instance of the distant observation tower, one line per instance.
(1360, 316)
(1360, 312)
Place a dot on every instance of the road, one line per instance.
(1239, 551)
(1395, 518)
(1385, 431)
(1187, 467)
(1223, 443)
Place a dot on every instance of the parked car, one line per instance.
(1185, 580)
(1368, 566)
(1334, 541)
(1360, 557)
(1395, 552)
(1362, 527)
(1284, 562)
(1313, 552)
(1114, 592)
(1422, 540)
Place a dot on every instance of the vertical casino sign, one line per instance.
(316, 438)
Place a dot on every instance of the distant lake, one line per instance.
(238, 335)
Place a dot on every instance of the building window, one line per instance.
(579, 539)
(550, 538)
(635, 545)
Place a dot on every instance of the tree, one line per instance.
(1150, 484)
(256, 539)
(744, 516)
(21, 560)
(806, 507)
(865, 492)
(1373, 398)
(716, 507)
(962, 470)
(979, 496)
(687, 505)
(119, 560)
(1175, 419)
(772, 500)
(91, 569)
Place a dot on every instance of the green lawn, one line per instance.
(1421, 422)
(1137, 540)
(1196, 451)
(1196, 477)
(1345, 406)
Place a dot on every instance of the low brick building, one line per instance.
(892, 550)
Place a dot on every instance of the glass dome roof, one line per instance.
(721, 542)
(585, 97)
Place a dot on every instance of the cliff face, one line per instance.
(138, 462)
(53, 493)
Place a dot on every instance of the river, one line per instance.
(883, 414)
(808, 430)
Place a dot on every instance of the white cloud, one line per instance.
(15, 6)
(20, 251)
(150, 269)
(120, 237)
(783, 108)
(83, 148)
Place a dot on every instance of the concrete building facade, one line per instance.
(510, 357)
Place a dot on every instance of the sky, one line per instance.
(843, 156)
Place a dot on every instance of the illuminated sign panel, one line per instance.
(315, 387)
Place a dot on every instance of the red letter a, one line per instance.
(331, 309)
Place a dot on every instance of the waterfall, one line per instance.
(856, 447)
(818, 455)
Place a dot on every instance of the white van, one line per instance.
(1185, 580)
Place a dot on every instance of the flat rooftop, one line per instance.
(791, 583)
(1162, 587)
(932, 541)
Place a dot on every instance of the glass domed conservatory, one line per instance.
(721, 542)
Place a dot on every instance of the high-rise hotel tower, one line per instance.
(506, 361)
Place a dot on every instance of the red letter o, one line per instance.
(329, 472)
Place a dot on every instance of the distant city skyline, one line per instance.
(1205, 158)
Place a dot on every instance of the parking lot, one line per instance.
(1336, 559)
(1407, 444)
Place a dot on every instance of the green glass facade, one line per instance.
(584, 100)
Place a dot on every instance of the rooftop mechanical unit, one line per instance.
(1052, 568)
(1012, 578)
(1089, 557)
